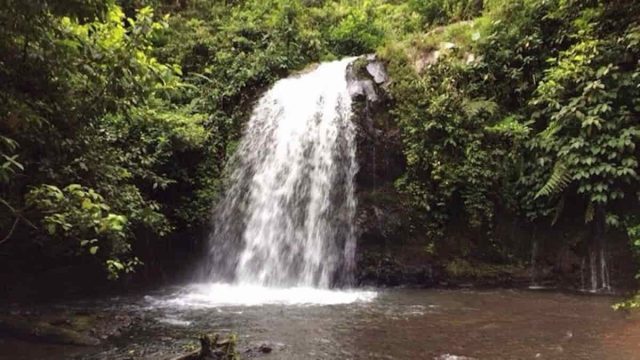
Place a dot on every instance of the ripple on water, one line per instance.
(211, 295)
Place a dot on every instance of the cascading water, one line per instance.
(287, 218)
(599, 272)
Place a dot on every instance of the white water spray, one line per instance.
(287, 219)
(598, 272)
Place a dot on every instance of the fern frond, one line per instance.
(559, 180)
(551, 130)
(474, 107)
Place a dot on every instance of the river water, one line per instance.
(385, 324)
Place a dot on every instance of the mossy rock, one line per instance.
(213, 347)
(44, 331)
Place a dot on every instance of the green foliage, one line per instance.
(358, 31)
(632, 303)
(78, 222)
(441, 12)
(546, 110)
(559, 180)
(140, 109)
(10, 164)
(458, 143)
(98, 112)
(116, 122)
(589, 99)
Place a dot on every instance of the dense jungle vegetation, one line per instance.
(117, 117)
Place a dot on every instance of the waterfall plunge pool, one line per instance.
(288, 217)
(381, 324)
(207, 295)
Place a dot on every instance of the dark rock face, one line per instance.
(379, 155)
(385, 270)
(261, 349)
(381, 217)
(390, 253)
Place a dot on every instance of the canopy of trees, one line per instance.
(116, 117)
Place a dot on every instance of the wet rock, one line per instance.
(379, 152)
(43, 331)
(366, 79)
(379, 221)
(64, 327)
(262, 348)
(384, 270)
(377, 70)
(359, 87)
(213, 348)
(465, 273)
(568, 261)
(265, 349)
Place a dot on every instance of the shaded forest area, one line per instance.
(117, 117)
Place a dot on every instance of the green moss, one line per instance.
(461, 268)
(632, 303)
(464, 35)
(360, 68)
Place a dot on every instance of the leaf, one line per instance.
(559, 180)
(11, 160)
(474, 107)
(86, 204)
(93, 250)
(73, 187)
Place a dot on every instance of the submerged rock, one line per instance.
(64, 327)
(262, 348)
(44, 331)
(213, 348)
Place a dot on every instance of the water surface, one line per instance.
(386, 324)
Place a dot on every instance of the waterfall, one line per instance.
(287, 216)
(604, 271)
(594, 270)
(598, 271)
(534, 258)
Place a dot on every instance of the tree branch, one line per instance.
(13, 227)
(18, 214)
